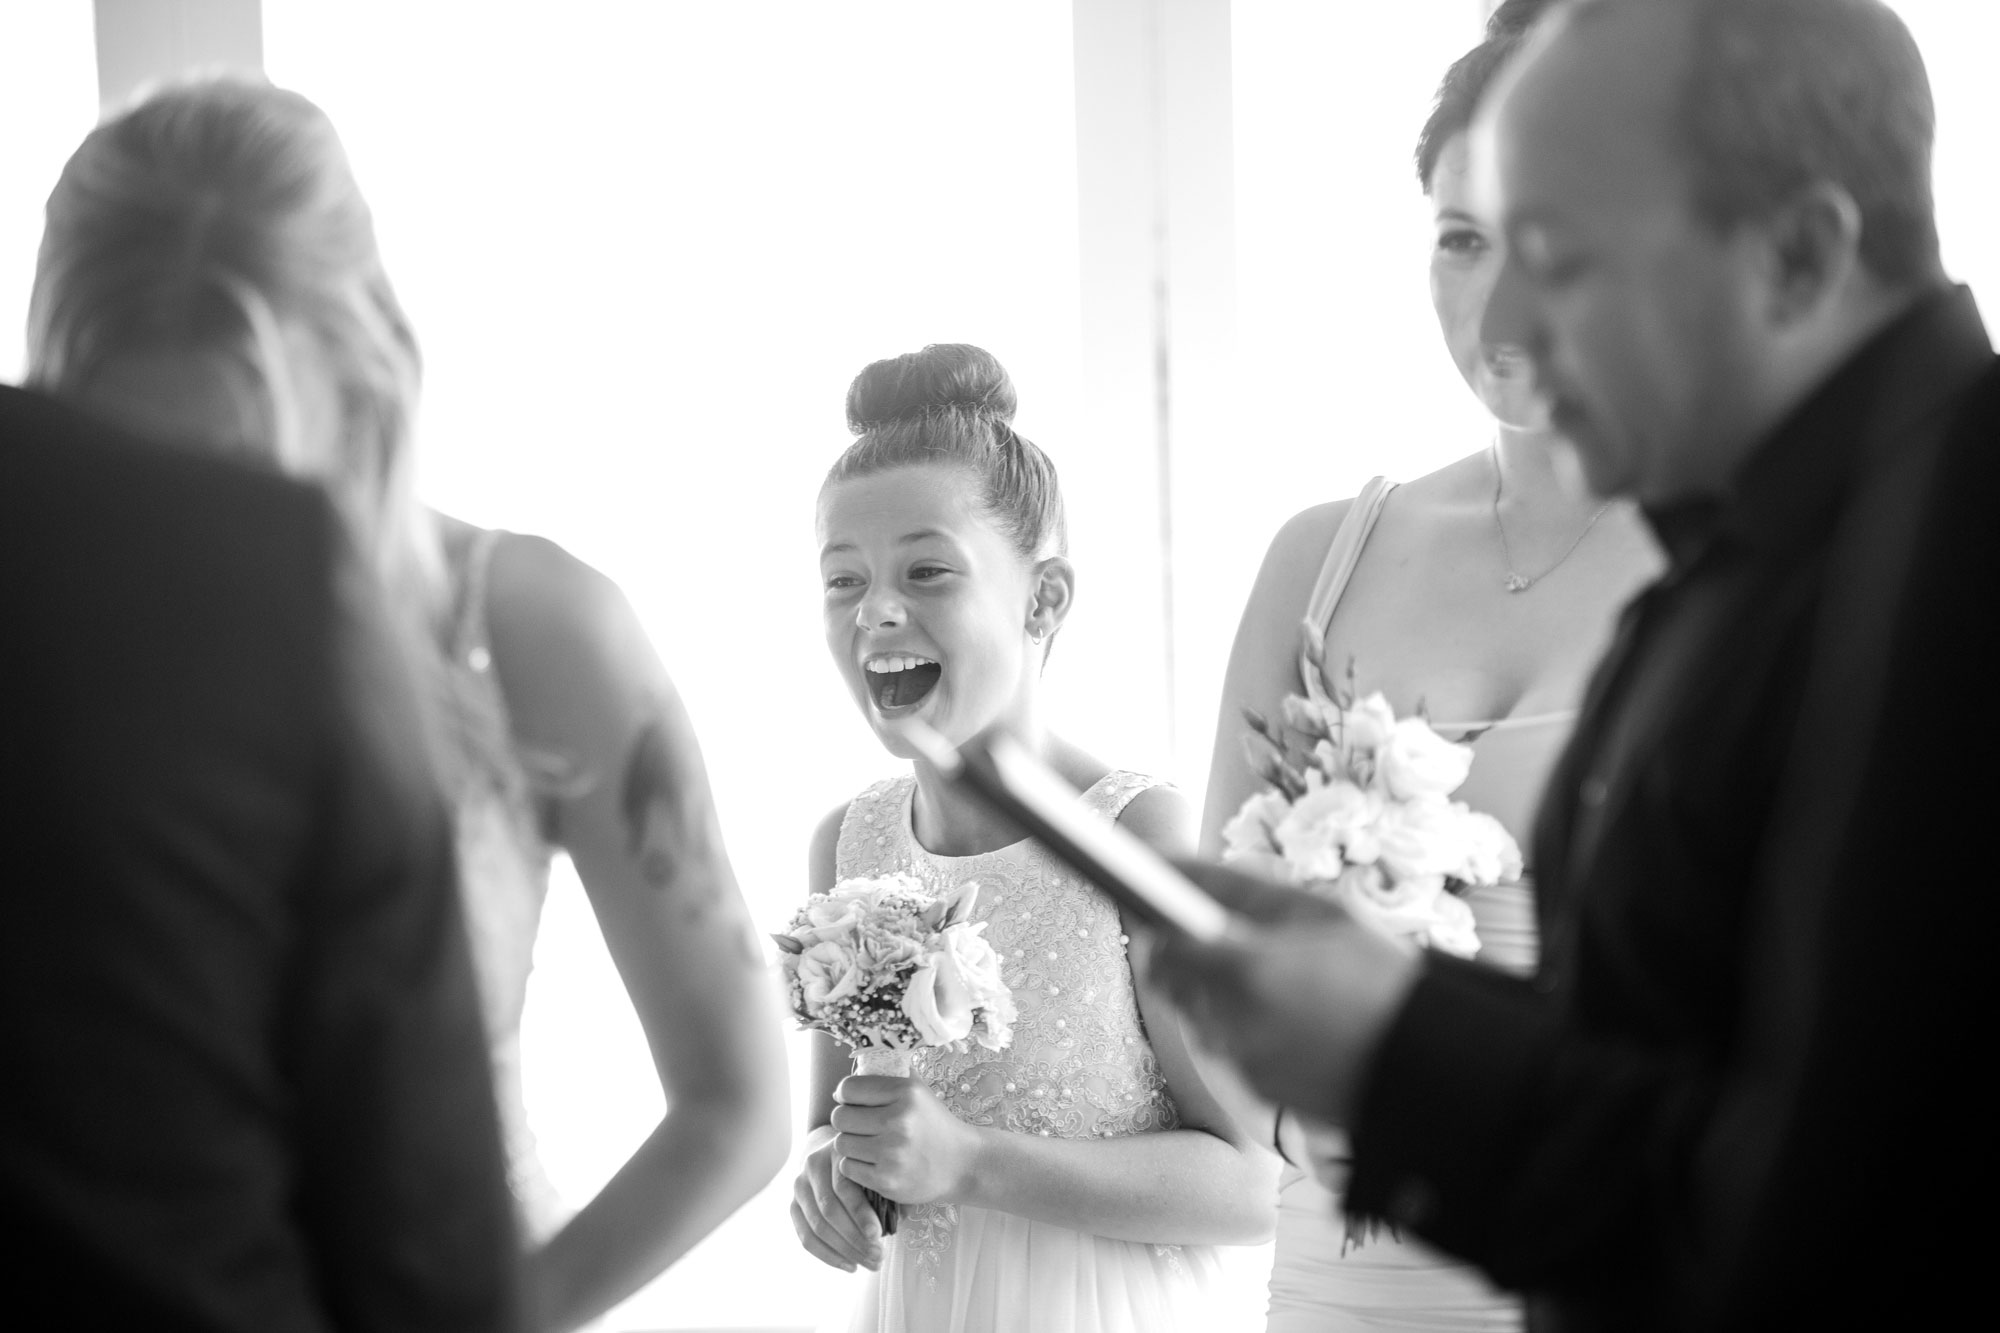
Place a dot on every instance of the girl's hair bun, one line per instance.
(953, 405)
(944, 377)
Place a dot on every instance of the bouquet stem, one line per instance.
(886, 1062)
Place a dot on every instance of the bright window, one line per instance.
(48, 102)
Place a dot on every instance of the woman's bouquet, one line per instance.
(886, 966)
(1358, 808)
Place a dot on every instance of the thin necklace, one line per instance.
(1521, 582)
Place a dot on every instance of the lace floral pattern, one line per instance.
(1079, 1065)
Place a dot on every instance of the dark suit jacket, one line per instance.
(246, 1082)
(1737, 1093)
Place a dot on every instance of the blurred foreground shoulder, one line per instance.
(1163, 818)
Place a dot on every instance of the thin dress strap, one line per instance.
(532, 776)
(469, 638)
(1341, 558)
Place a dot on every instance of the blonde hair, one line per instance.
(219, 213)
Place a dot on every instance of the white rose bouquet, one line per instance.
(1358, 808)
(885, 966)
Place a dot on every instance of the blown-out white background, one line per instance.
(647, 245)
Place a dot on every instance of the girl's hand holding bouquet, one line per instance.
(900, 1142)
(885, 966)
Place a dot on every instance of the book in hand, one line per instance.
(1033, 795)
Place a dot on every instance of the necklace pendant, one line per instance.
(1515, 583)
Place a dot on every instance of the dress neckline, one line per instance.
(1337, 571)
(1561, 715)
(909, 819)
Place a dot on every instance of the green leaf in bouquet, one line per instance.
(787, 943)
(1273, 769)
(958, 907)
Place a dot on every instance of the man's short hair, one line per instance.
(1779, 94)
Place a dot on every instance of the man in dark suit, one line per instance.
(247, 1086)
(1735, 1095)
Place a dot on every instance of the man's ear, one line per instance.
(1055, 592)
(1813, 250)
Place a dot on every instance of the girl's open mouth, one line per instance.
(900, 681)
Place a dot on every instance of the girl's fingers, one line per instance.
(864, 1173)
(859, 1148)
(858, 1119)
(830, 1216)
(810, 1240)
(848, 1193)
(869, 1090)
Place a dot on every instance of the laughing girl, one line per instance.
(1076, 1181)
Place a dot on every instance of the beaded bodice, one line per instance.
(1079, 1065)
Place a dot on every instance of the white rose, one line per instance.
(1368, 723)
(881, 951)
(1422, 838)
(937, 1000)
(852, 891)
(1491, 854)
(1315, 832)
(831, 918)
(1416, 762)
(979, 969)
(978, 966)
(827, 974)
(1404, 909)
(1451, 929)
(1249, 830)
(1328, 759)
(1364, 844)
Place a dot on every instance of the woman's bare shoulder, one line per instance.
(1305, 535)
(578, 669)
(1291, 567)
(535, 580)
(564, 633)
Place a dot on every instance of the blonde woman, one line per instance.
(209, 278)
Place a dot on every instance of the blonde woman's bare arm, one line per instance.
(583, 681)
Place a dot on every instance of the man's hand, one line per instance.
(1297, 997)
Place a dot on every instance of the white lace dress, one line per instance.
(1079, 1067)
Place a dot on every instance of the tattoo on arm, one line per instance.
(647, 801)
(659, 834)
